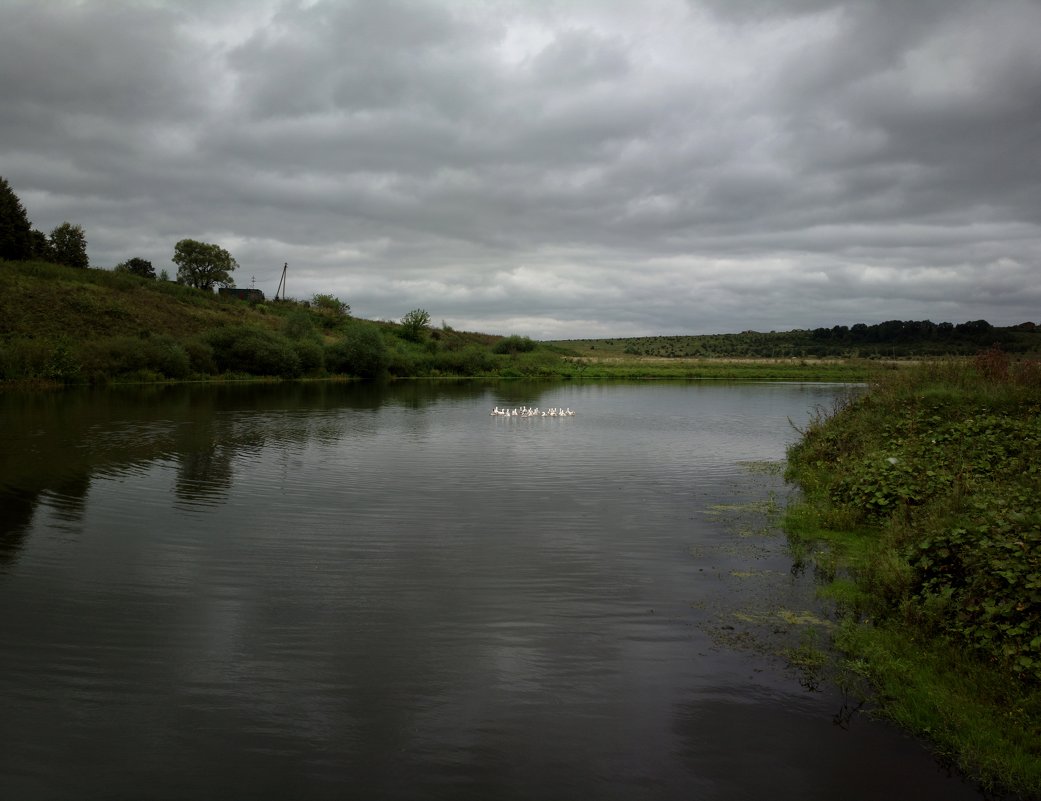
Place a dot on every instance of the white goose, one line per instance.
(528, 411)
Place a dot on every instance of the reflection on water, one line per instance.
(53, 443)
(348, 590)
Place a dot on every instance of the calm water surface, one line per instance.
(348, 591)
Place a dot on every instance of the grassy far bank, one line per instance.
(893, 339)
(921, 512)
(732, 369)
(61, 325)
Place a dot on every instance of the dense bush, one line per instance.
(311, 355)
(514, 344)
(121, 356)
(23, 359)
(200, 356)
(404, 361)
(136, 266)
(943, 461)
(253, 350)
(298, 325)
(469, 361)
(331, 308)
(361, 352)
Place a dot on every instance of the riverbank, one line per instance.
(920, 515)
(727, 369)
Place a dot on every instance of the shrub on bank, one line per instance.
(468, 361)
(514, 344)
(124, 356)
(253, 350)
(311, 355)
(46, 359)
(298, 325)
(360, 352)
(200, 356)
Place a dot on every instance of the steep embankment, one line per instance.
(48, 301)
(922, 512)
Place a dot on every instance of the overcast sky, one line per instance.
(577, 168)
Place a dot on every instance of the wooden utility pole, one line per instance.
(282, 282)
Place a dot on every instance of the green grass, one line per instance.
(48, 301)
(729, 369)
(932, 688)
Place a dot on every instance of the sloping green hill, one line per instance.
(81, 325)
(49, 301)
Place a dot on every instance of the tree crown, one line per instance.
(69, 245)
(203, 265)
(136, 266)
(15, 231)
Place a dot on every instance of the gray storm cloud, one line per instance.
(557, 169)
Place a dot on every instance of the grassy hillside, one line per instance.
(48, 301)
(74, 325)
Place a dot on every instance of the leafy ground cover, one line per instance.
(922, 513)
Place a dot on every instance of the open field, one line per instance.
(720, 368)
(883, 341)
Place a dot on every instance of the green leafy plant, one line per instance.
(253, 350)
(514, 344)
(330, 306)
(414, 325)
(361, 352)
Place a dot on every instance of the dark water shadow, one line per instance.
(754, 744)
(17, 508)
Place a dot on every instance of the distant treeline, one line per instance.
(890, 339)
(976, 332)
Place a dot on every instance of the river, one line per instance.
(362, 591)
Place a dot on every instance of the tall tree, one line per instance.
(41, 245)
(136, 266)
(15, 237)
(203, 265)
(69, 245)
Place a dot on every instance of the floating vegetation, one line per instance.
(804, 618)
(755, 612)
(767, 468)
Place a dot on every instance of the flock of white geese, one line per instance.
(524, 411)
